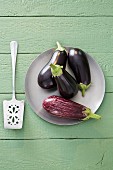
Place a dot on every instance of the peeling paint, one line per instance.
(101, 160)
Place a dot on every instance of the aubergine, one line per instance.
(66, 84)
(79, 65)
(64, 108)
(45, 78)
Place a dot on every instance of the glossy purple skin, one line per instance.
(78, 63)
(66, 85)
(63, 108)
(45, 78)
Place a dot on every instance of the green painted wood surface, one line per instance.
(56, 8)
(36, 34)
(57, 154)
(35, 127)
(37, 25)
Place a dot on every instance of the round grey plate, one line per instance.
(35, 94)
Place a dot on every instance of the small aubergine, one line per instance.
(79, 64)
(66, 84)
(64, 108)
(45, 78)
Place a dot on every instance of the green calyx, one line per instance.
(56, 70)
(89, 114)
(83, 88)
(60, 48)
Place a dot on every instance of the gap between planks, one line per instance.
(56, 16)
(24, 92)
(44, 51)
(57, 139)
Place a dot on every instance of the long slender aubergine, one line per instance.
(78, 63)
(64, 108)
(66, 84)
(45, 78)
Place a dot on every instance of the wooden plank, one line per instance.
(36, 34)
(56, 8)
(109, 84)
(57, 154)
(105, 61)
(34, 127)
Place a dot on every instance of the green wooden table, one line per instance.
(37, 25)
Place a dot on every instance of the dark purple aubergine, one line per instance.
(66, 84)
(64, 108)
(45, 78)
(78, 63)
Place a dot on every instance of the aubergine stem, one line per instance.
(89, 114)
(60, 48)
(56, 70)
(83, 88)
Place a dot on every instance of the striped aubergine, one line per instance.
(65, 108)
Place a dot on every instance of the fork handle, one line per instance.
(13, 48)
